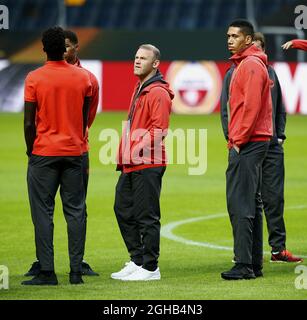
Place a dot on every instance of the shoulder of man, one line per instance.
(255, 64)
(160, 93)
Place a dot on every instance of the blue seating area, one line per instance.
(137, 14)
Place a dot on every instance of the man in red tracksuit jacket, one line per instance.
(250, 129)
(142, 162)
(295, 44)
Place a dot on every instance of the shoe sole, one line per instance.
(239, 278)
(39, 284)
(150, 279)
(120, 277)
(281, 261)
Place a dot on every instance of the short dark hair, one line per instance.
(155, 50)
(246, 27)
(71, 36)
(53, 40)
(258, 36)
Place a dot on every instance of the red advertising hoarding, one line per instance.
(196, 84)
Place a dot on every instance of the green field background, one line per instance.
(188, 271)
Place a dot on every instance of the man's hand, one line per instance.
(236, 148)
(280, 141)
(287, 45)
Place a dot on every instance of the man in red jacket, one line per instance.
(295, 44)
(142, 162)
(250, 129)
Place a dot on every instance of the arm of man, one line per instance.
(295, 44)
(281, 115)
(160, 113)
(159, 108)
(29, 125)
(86, 108)
(224, 102)
(94, 100)
(253, 79)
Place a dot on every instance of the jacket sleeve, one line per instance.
(224, 100)
(299, 44)
(94, 100)
(281, 115)
(159, 109)
(252, 77)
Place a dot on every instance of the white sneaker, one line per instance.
(143, 275)
(129, 268)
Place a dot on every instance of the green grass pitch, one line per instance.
(188, 271)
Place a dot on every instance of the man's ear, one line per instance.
(249, 39)
(77, 47)
(156, 64)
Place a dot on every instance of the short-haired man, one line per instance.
(273, 172)
(142, 163)
(249, 132)
(54, 139)
(71, 56)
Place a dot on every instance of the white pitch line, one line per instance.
(167, 231)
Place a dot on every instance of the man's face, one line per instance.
(236, 40)
(144, 62)
(71, 51)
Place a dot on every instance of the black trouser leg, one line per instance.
(126, 219)
(273, 196)
(242, 187)
(147, 189)
(85, 178)
(257, 249)
(43, 179)
(72, 195)
(137, 208)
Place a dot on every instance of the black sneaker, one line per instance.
(42, 279)
(34, 270)
(238, 272)
(87, 270)
(257, 271)
(75, 278)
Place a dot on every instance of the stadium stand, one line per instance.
(136, 14)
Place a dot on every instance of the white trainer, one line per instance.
(129, 268)
(143, 275)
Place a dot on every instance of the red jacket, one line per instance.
(93, 104)
(142, 144)
(299, 44)
(250, 98)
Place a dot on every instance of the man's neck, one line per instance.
(75, 60)
(150, 75)
(55, 59)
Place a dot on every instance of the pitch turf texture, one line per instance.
(188, 271)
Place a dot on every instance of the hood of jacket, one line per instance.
(252, 50)
(155, 81)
